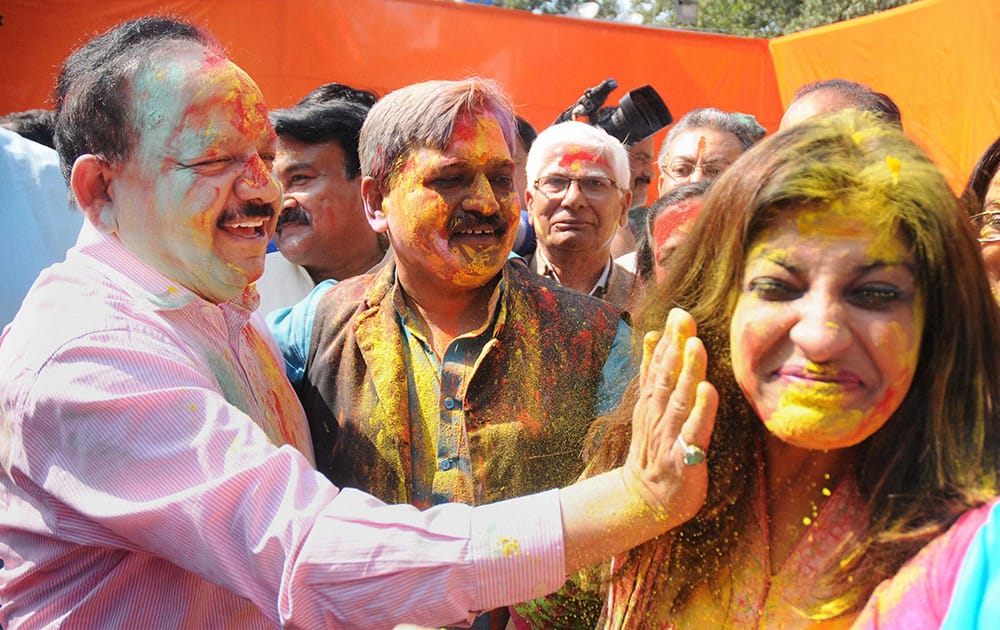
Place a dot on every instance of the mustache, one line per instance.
(249, 210)
(296, 214)
(466, 221)
(642, 179)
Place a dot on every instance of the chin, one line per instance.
(821, 429)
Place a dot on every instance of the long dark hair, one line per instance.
(937, 455)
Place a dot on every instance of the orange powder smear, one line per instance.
(573, 159)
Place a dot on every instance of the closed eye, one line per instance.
(875, 297)
(207, 167)
(773, 290)
(448, 182)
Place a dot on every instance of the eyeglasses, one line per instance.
(591, 187)
(681, 170)
(987, 226)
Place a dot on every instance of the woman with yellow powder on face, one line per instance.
(852, 338)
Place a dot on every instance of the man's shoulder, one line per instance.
(67, 312)
(349, 299)
(557, 301)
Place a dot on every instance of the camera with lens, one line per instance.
(639, 114)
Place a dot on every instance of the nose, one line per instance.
(696, 176)
(574, 194)
(481, 198)
(288, 200)
(820, 330)
(256, 183)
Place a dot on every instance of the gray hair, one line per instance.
(743, 126)
(580, 136)
(423, 115)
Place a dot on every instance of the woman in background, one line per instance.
(982, 198)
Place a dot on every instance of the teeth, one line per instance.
(477, 232)
(247, 224)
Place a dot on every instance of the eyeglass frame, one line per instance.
(696, 166)
(979, 231)
(570, 180)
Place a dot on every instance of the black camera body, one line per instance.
(640, 113)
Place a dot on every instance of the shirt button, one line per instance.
(450, 403)
(445, 464)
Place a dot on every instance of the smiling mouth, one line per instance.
(476, 232)
(249, 221)
(245, 227)
(834, 378)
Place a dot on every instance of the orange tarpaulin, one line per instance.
(292, 46)
(938, 60)
(921, 54)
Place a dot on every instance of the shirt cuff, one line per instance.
(518, 548)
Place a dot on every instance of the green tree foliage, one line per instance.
(751, 18)
(608, 8)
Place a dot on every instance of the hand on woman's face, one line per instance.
(826, 331)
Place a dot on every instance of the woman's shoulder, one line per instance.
(920, 594)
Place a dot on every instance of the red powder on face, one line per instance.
(569, 159)
(677, 217)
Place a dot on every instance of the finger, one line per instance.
(655, 344)
(697, 430)
(649, 342)
(668, 359)
(682, 399)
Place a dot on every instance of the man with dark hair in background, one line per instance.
(37, 125)
(322, 232)
(833, 95)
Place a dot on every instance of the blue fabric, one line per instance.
(292, 328)
(617, 372)
(39, 223)
(976, 600)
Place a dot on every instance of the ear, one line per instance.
(90, 182)
(626, 204)
(373, 198)
(529, 197)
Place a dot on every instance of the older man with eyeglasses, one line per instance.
(702, 144)
(579, 194)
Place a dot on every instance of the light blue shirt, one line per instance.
(40, 222)
(975, 602)
(292, 328)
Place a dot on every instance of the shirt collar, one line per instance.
(148, 285)
(494, 319)
(600, 288)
